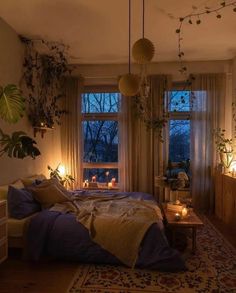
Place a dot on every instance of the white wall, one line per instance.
(11, 57)
(108, 73)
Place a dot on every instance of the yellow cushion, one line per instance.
(49, 194)
(4, 188)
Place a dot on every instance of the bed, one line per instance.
(59, 235)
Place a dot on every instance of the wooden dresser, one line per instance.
(3, 230)
(225, 198)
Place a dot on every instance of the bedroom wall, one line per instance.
(11, 58)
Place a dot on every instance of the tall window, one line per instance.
(100, 134)
(179, 103)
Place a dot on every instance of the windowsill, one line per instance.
(101, 186)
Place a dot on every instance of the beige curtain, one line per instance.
(208, 114)
(71, 130)
(142, 152)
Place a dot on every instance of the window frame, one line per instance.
(106, 116)
(177, 115)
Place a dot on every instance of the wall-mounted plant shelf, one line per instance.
(41, 130)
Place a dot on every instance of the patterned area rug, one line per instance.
(212, 269)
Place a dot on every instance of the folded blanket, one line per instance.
(117, 223)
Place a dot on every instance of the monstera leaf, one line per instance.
(18, 145)
(12, 104)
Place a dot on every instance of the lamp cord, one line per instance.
(143, 17)
(129, 33)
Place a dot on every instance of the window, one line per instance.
(179, 104)
(100, 135)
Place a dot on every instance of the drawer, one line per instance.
(3, 230)
(3, 211)
(3, 251)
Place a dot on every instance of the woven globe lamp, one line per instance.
(129, 84)
(143, 51)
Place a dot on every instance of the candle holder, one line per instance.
(177, 216)
(184, 212)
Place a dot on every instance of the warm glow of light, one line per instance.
(62, 170)
(232, 166)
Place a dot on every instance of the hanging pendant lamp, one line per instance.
(143, 49)
(129, 83)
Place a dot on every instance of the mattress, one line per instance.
(17, 228)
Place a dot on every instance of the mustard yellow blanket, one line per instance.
(118, 223)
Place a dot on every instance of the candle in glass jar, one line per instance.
(94, 179)
(109, 185)
(177, 216)
(184, 212)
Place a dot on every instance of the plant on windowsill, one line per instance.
(224, 147)
(45, 66)
(12, 107)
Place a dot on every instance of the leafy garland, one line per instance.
(43, 77)
(195, 18)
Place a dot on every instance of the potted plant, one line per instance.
(12, 107)
(224, 147)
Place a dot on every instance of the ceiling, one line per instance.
(97, 30)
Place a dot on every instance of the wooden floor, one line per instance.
(17, 276)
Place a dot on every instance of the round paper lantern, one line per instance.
(129, 84)
(143, 51)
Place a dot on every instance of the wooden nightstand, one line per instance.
(192, 221)
(3, 231)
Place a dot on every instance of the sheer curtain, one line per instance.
(71, 130)
(142, 152)
(208, 114)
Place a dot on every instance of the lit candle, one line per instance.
(177, 217)
(109, 185)
(184, 212)
(93, 178)
(86, 183)
(233, 172)
(113, 181)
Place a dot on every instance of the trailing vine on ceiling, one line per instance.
(196, 18)
(44, 68)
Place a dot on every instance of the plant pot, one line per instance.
(226, 159)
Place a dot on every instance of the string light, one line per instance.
(189, 18)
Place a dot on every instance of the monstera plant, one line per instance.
(12, 107)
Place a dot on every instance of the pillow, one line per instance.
(54, 181)
(48, 195)
(21, 203)
(4, 188)
(33, 179)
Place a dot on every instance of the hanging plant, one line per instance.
(196, 18)
(43, 77)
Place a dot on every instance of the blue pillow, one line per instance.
(21, 203)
